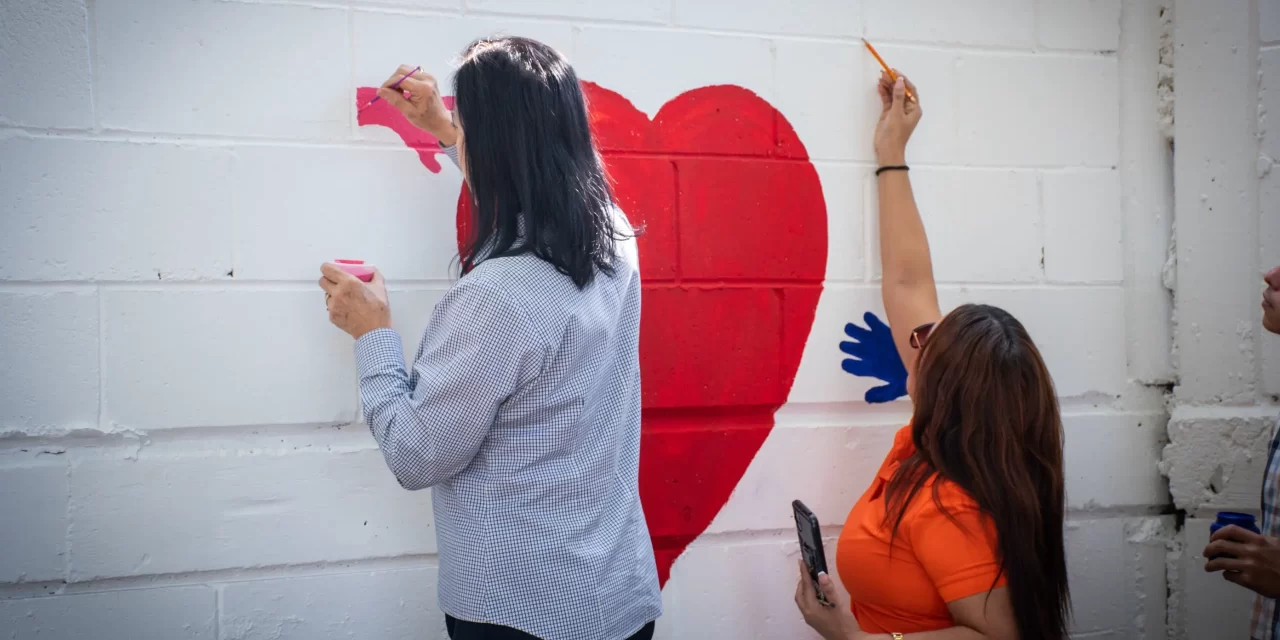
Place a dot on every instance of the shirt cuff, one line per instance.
(452, 152)
(377, 351)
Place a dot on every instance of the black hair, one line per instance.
(530, 155)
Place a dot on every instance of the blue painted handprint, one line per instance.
(875, 356)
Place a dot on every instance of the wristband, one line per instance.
(899, 167)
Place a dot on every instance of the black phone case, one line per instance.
(815, 557)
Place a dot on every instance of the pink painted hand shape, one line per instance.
(382, 114)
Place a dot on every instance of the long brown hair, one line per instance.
(986, 418)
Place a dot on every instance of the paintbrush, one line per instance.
(397, 84)
(892, 75)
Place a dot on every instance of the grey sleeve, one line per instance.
(478, 349)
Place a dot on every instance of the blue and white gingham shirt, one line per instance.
(522, 412)
(1266, 616)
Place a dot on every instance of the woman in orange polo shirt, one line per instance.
(959, 535)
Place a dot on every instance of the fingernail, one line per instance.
(407, 94)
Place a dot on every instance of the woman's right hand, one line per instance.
(418, 98)
(898, 119)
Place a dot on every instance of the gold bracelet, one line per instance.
(896, 636)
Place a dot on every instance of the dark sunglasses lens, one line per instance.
(921, 335)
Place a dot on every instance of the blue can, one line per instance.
(1227, 518)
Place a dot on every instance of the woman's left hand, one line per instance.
(355, 307)
(833, 623)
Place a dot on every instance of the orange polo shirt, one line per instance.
(934, 561)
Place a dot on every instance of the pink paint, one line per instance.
(381, 113)
(356, 268)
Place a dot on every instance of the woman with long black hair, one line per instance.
(522, 407)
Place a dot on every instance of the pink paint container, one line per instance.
(356, 268)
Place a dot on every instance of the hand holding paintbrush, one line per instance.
(893, 75)
(898, 119)
(416, 95)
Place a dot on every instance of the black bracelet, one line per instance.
(900, 167)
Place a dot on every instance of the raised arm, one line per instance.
(910, 295)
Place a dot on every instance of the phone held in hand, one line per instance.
(815, 558)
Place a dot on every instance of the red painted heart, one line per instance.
(733, 257)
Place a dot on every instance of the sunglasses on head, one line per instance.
(920, 335)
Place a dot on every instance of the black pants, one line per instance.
(463, 630)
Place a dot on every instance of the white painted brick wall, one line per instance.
(49, 340)
(834, 18)
(1009, 23)
(821, 380)
(68, 200)
(46, 70)
(1089, 356)
(1082, 209)
(838, 124)
(33, 533)
(193, 68)
(1091, 25)
(612, 58)
(397, 603)
(658, 11)
(176, 358)
(1269, 186)
(1091, 361)
(172, 613)
(1145, 172)
(1210, 607)
(1224, 409)
(844, 187)
(414, 5)
(291, 199)
(1108, 459)
(1216, 200)
(695, 608)
(1098, 552)
(1066, 112)
(380, 36)
(933, 71)
(309, 497)
(950, 202)
(1269, 21)
(172, 174)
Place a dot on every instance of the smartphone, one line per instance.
(811, 546)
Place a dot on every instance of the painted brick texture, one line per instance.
(1224, 407)
(182, 426)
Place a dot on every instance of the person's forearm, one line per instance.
(385, 394)
(446, 138)
(904, 247)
